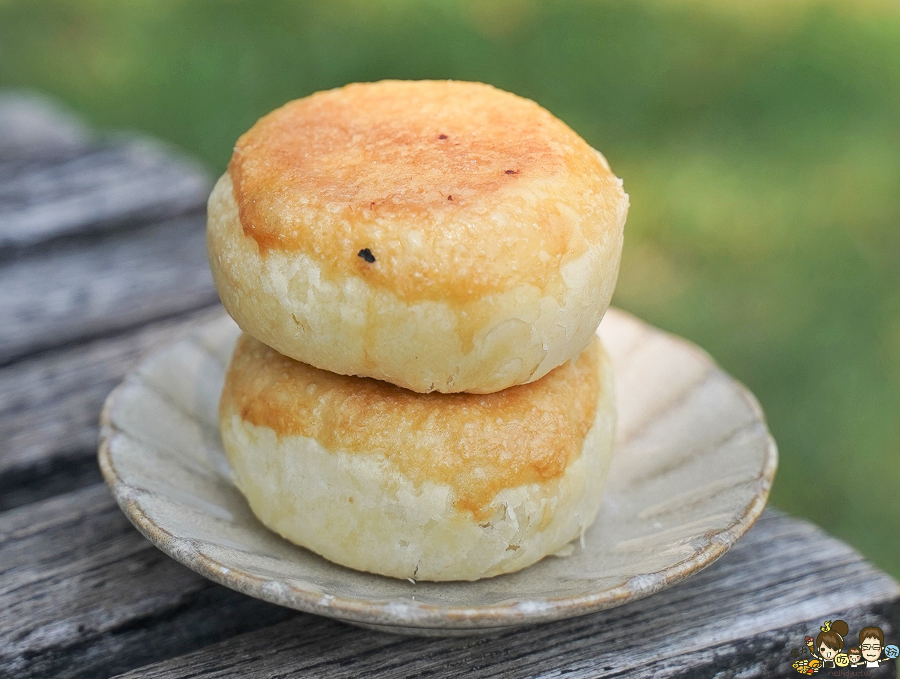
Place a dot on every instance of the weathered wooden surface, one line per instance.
(49, 405)
(744, 613)
(101, 188)
(32, 126)
(84, 594)
(101, 258)
(55, 180)
(106, 285)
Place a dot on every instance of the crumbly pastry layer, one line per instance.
(424, 486)
(442, 236)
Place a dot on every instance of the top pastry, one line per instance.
(442, 236)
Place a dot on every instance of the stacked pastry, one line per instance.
(419, 269)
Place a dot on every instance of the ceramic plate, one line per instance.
(691, 471)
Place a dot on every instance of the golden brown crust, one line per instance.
(456, 189)
(476, 444)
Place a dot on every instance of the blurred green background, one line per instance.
(760, 144)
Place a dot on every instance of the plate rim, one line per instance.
(409, 613)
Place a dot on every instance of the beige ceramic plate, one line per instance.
(691, 471)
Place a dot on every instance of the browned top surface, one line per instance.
(457, 189)
(477, 444)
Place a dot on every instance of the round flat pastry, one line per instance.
(441, 236)
(422, 486)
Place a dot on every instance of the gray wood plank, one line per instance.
(740, 617)
(103, 286)
(50, 408)
(57, 179)
(117, 183)
(34, 126)
(83, 594)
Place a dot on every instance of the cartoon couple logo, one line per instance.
(827, 649)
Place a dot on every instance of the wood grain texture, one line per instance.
(50, 409)
(56, 179)
(33, 126)
(111, 184)
(86, 251)
(740, 617)
(82, 594)
(103, 286)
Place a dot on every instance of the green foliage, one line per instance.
(760, 146)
